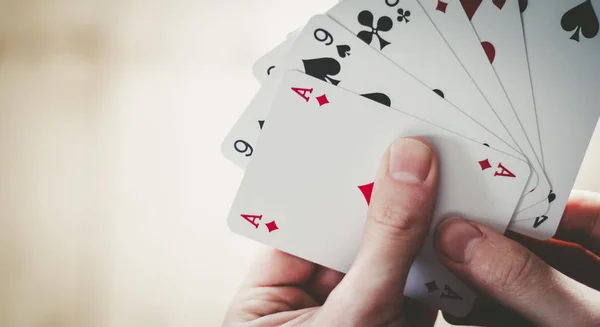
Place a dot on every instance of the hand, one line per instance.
(522, 281)
(283, 290)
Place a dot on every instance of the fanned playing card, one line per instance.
(563, 49)
(240, 143)
(327, 51)
(266, 65)
(500, 31)
(452, 19)
(505, 91)
(306, 190)
(403, 33)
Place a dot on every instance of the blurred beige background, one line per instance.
(113, 193)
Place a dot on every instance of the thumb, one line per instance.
(509, 273)
(398, 222)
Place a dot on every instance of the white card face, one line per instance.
(324, 138)
(534, 210)
(452, 22)
(410, 40)
(266, 65)
(498, 26)
(318, 52)
(362, 71)
(565, 86)
(239, 145)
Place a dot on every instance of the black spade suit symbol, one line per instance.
(343, 50)
(323, 69)
(523, 5)
(582, 19)
(379, 97)
(551, 196)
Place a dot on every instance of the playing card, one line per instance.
(452, 22)
(402, 32)
(267, 64)
(565, 87)
(324, 138)
(240, 143)
(327, 51)
(498, 26)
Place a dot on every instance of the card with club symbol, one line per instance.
(505, 91)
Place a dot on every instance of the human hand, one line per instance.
(282, 290)
(534, 283)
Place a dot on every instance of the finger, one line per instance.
(569, 258)
(324, 280)
(292, 318)
(398, 218)
(273, 284)
(275, 268)
(580, 222)
(398, 221)
(511, 274)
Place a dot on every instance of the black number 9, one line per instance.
(323, 36)
(242, 146)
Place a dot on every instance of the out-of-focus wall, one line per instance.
(113, 193)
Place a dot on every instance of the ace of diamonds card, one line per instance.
(307, 189)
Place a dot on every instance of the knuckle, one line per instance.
(401, 212)
(398, 219)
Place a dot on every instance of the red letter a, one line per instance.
(252, 219)
(302, 92)
(504, 172)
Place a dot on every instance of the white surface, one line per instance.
(364, 71)
(561, 104)
(420, 50)
(113, 193)
(510, 64)
(458, 32)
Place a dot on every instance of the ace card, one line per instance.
(451, 18)
(499, 28)
(307, 189)
(565, 87)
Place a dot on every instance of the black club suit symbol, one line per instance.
(403, 15)
(384, 24)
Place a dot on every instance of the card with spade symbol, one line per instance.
(506, 91)
(241, 142)
(316, 52)
(563, 48)
(452, 20)
(402, 33)
(505, 48)
(366, 74)
(296, 197)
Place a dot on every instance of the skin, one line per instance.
(518, 287)
(527, 282)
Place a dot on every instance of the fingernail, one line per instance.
(410, 161)
(455, 238)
